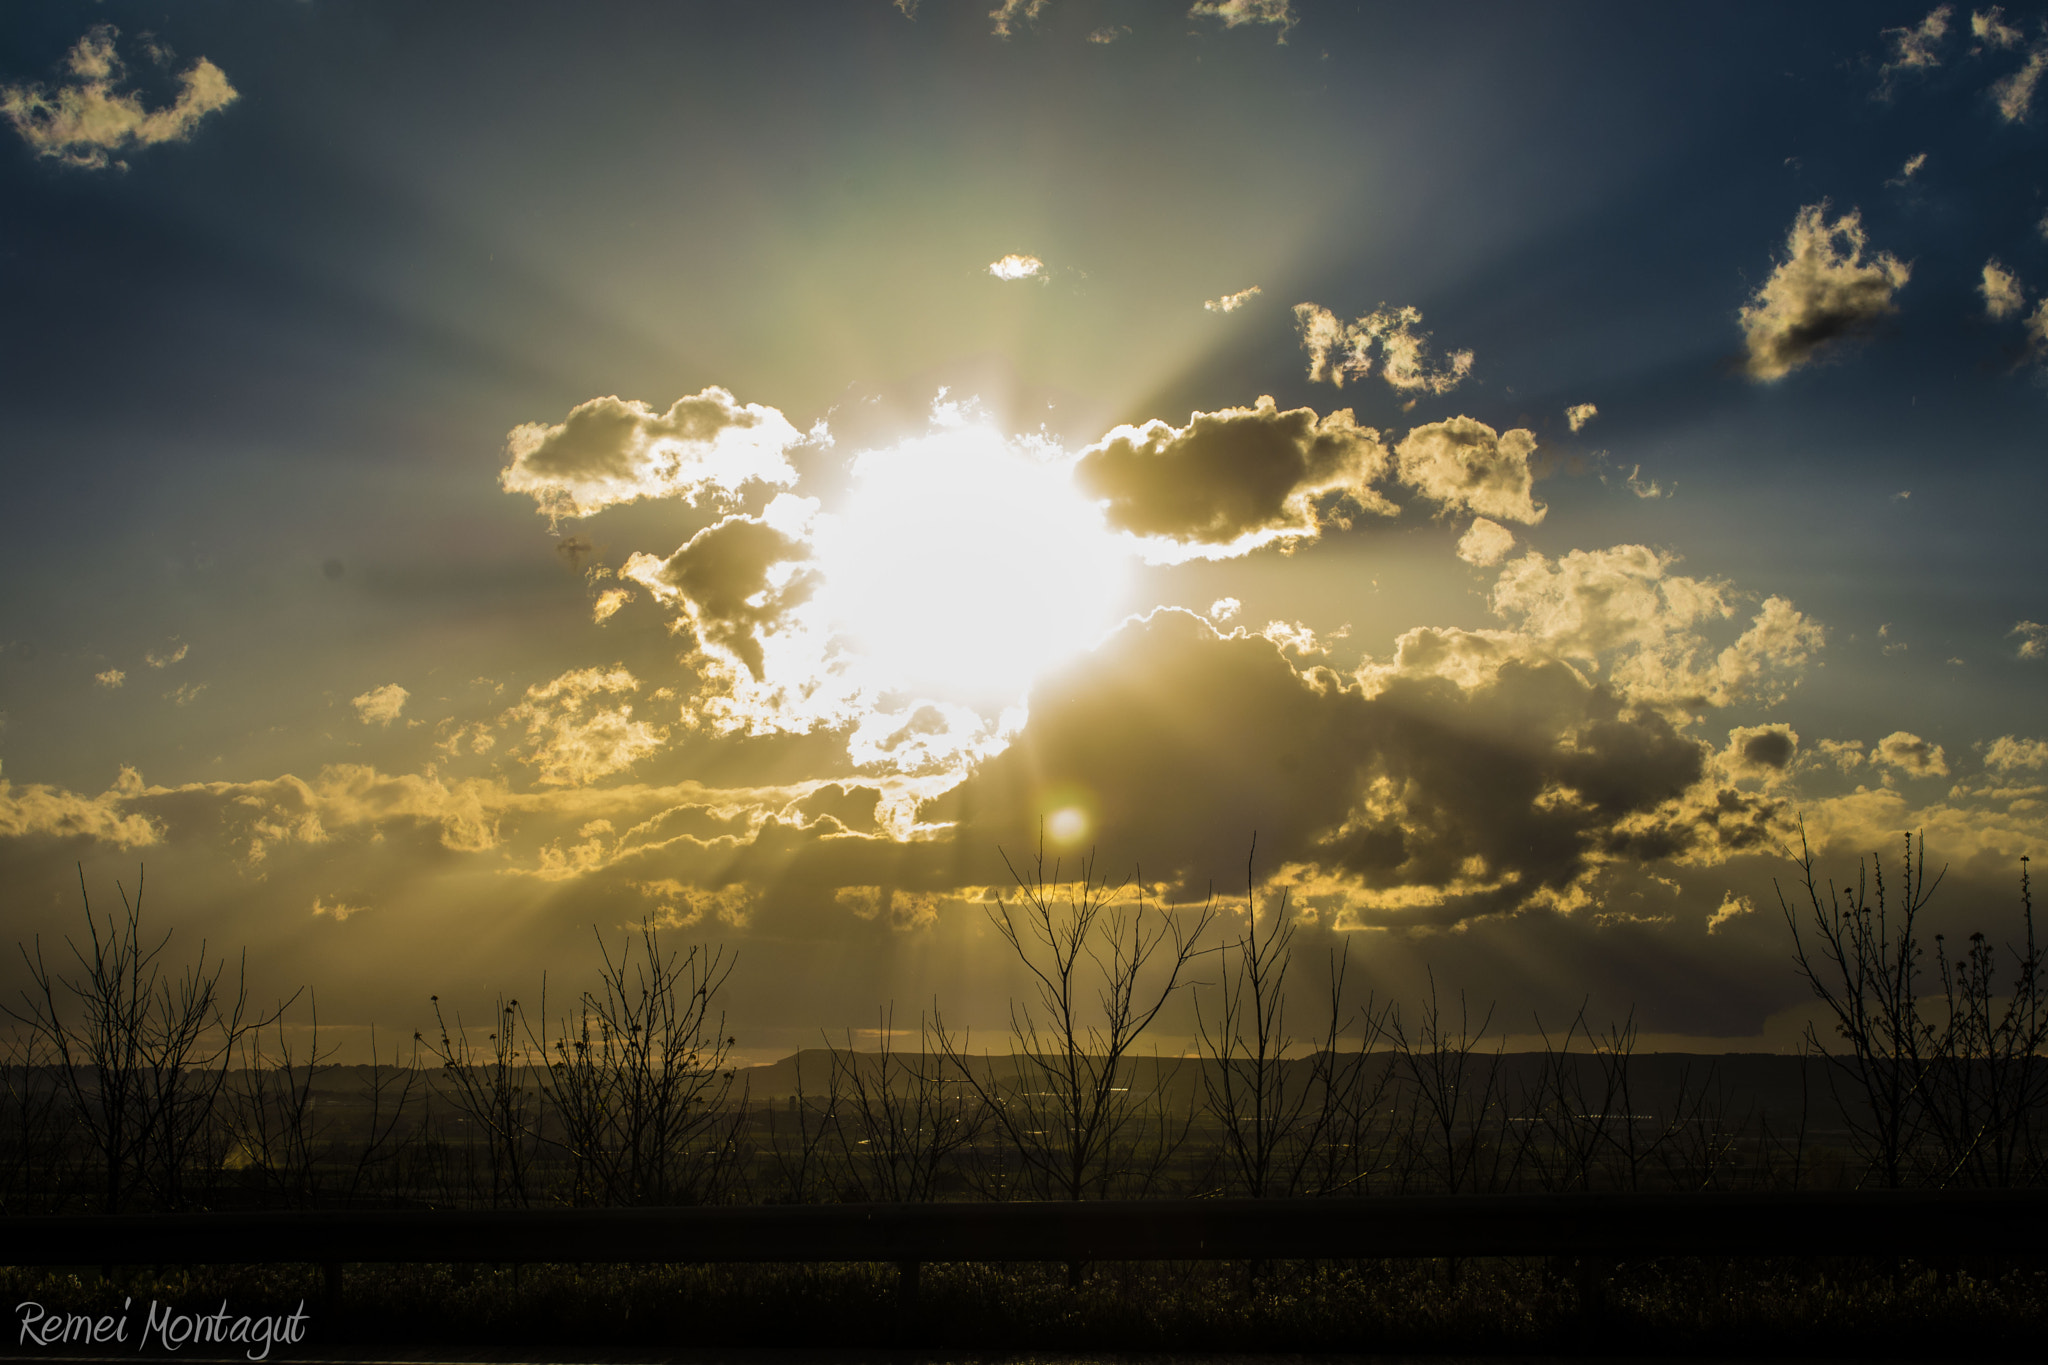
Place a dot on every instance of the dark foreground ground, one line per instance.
(1806, 1309)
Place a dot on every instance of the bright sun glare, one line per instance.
(963, 565)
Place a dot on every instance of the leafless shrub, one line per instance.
(910, 1128)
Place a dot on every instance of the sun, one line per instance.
(963, 564)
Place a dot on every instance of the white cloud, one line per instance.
(575, 735)
(1017, 266)
(1008, 14)
(2033, 639)
(165, 658)
(1822, 291)
(1224, 608)
(1909, 170)
(110, 679)
(51, 812)
(1732, 906)
(1579, 414)
(1338, 350)
(2010, 752)
(1485, 542)
(381, 705)
(1230, 303)
(2003, 293)
(610, 451)
(1237, 13)
(1466, 465)
(2015, 93)
(1911, 755)
(1914, 49)
(1641, 487)
(1233, 480)
(90, 121)
(336, 909)
(1989, 28)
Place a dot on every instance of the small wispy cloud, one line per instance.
(1915, 48)
(381, 705)
(1578, 414)
(165, 658)
(110, 679)
(2033, 638)
(1017, 266)
(1909, 170)
(1230, 303)
(88, 122)
(2003, 293)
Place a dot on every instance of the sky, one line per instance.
(1499, 476)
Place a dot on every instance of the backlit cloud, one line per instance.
(380, 705)
(2010, 753)
(38, 811)
(2014, 94)
(164, 658)
(1579, 414)
(1237, 13)
(110, 679)
(1008, 15)
(1339, 350)
(90, 121)
(1467, 466)
(1916, 48)
(1016, 266)
(734, 580)
(2033, 638)
(1230, 303)
(2003, 293)
(579, 727)
(611, 450)
(1235, 479)
(1485, 542)
(1821, 292)
(1910, 754)
(1989, 28)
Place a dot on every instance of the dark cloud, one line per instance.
(1822, 292)
(1427, 801)
(612, 450)
(1234, 478)
(725, 578)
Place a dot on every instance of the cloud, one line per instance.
(1821, 292)
(2009, 752)
(735, 581)
(1909, 170)
(110, 679)
(1621, 609)
(1914, 49)
(1418, 802)
(1467, 466)
(1235, 479)
(2036, 329)
(1230, 303)
(608, 604)
(2014, 94)
(1732, 906)
(336, 910)
(1109, 33)
(1008, 14)
(1237, 13)
(38, 811)
(1579, 414)
(1485, 542)
(1845, 754)
(610, 451)
(184, 694)
(1224, 608)
(1338, 349)
(2003, 293)
(1910, 754)
(380, 705)
(1760, 752)
(1989, 28)
(165, 658)
(1019, 267)
(575, 736)
(2033, 639)
(89, 122)
(1641, 487)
